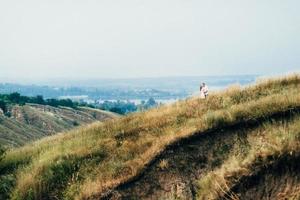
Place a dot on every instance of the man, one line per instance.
(204, 90)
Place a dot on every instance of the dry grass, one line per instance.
(271, 141)
(89, 161)
(163, 164)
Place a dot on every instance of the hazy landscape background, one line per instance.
(87, 91)
(161, 89)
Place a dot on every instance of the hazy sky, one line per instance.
(147, 38)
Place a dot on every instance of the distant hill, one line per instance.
(33, 121)
(240, 143)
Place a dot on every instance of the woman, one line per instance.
(202, 95)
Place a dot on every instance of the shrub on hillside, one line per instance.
(3, 106)
(2, 152)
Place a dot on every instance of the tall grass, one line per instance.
(267, 145)
(89, 161)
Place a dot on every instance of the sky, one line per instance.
(48, 39)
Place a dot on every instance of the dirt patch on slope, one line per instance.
(174, 173)
(278, 180)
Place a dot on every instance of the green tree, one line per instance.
(150, 103)
(3, 106)
(15, 97)
(39, 99)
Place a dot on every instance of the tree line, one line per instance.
(125, 107)
(16, 98)
(120, 107)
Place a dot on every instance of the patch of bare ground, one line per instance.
(174, 173)
(279, 179)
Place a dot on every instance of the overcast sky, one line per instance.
(42, 39)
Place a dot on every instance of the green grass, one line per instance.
(87, 162)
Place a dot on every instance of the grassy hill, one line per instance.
(240, 143)
(33, 121)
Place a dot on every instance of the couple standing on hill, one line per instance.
(203, 91)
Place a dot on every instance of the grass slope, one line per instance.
(32, 121)
(225, 163)
(90, 162)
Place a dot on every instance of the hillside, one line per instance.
(33, 121)
(241, 143)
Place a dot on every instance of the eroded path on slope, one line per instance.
(278, 180)
(174, 173)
